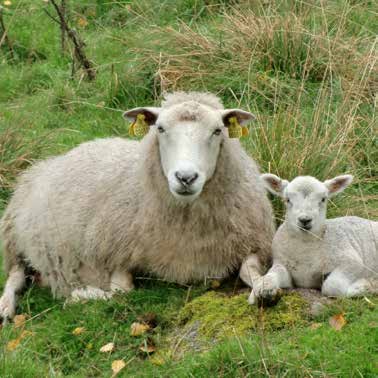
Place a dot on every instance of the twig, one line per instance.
(4, 34)
(76, 40)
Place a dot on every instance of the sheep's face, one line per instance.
(190, 136)
(306, 199)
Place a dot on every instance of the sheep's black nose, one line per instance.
(186, 178)
(305, 221)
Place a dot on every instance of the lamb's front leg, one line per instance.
(336, 284)
(267, 287)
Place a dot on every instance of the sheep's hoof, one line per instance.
(270, 299)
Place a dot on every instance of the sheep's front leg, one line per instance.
(121, 281)
(336, 284)
(251, 270)
(8, 301)
(267, 287)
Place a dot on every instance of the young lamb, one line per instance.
(338, 256)
(184, 204)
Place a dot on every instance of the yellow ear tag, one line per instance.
(234, 130)
(140, 127)
(245, 131)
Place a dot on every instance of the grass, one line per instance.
(306, 69)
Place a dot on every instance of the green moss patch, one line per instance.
(215, 315)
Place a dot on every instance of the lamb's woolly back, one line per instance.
(207, 99)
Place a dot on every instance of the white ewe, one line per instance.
(184, 204)
(338, 256)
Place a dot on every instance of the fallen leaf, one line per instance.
(117, 366)
(337, 322)
(7, 3)
(373, 324)
(109, 347)
(147, 348)
(82, 22)
(78, 331)
(26, 333)
(19, 320)
(138, 329)
(315, 325)
(12, 345)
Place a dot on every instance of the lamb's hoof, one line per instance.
(269, 300)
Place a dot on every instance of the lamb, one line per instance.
(338, 256)
(183, 204)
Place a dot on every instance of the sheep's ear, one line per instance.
(242, 116)
(274, 184)
(338, 184)
(151, 114)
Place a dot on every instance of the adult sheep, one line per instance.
(183, 204)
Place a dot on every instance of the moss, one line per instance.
(219, 315)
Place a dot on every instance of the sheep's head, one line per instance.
(306, 199)
(190, 135)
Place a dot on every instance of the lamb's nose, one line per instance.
(186, 178)
(305, 221)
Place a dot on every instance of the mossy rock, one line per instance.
(216, 315)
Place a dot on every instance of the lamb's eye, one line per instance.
(217, 132)
(323, 200)
(288, 201)
(161, 129)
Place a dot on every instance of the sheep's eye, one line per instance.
(288, 201)
(217, 132)
(161, 129)
(323, 200)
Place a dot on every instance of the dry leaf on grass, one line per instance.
(78, 331)
(315, 325)
(109, 347)
(337, 322)
(19, 320)
(12, 345)
(138, 329)
(147, 348)
(117, 366)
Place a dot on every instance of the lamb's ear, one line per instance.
(274, 184)
(242, 116)
(151, 114)
(338, 184)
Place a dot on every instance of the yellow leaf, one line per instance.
(26, 333)
(82, 22)
(78, 331)
(7, 3)
(117, 366)
(109, 347)
(138, 329)
(315, 325)
(147, 348)
(337, 322)
(19, 320)
(12, 345)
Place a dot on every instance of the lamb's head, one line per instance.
(190, 130)
(306, 199)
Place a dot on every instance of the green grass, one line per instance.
(308, 72)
